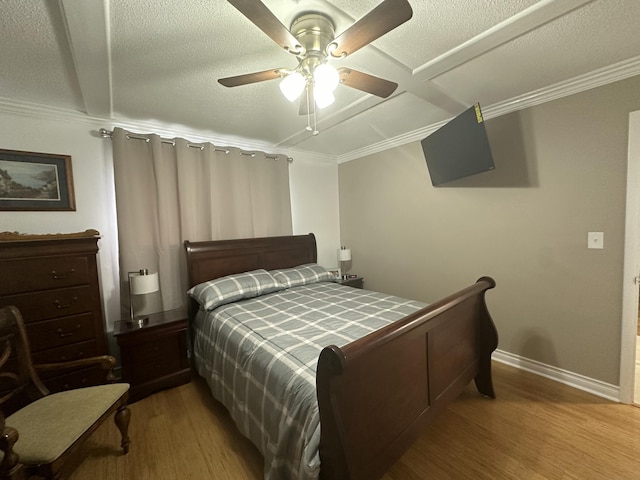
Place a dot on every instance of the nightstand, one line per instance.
(357, 282)
(154, 355)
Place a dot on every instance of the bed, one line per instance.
(348, 404)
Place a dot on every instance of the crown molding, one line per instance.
(610, 74)
(57, 114)
(29, 109)
(597, 78)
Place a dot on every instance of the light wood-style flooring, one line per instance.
(536, 429)
(636, 383)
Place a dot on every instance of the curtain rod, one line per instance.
(108, 133)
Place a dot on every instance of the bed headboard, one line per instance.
(214, 259)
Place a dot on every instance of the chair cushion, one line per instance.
(50, 425)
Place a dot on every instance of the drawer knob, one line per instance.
(62, 276)
(62, 334)
(65, 305)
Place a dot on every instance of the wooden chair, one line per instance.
(47, 429)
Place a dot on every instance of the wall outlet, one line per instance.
(595, 240)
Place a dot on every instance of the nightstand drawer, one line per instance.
(28, 275)
(156, 359)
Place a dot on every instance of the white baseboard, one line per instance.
(575, 380)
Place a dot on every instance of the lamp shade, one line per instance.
(344, 254)
(141, 284)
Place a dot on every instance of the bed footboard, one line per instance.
(377, 393)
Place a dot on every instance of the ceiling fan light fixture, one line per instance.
(323, 97)
(326, 77)
(312, 39)
(292, 86)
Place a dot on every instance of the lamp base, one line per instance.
(137, 321)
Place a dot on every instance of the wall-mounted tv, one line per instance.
(458, 149)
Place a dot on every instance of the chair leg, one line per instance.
(10, 466)
(122, 422)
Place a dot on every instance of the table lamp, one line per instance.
(344, 255)
(141, 283)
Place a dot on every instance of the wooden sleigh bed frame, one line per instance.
(376, 394)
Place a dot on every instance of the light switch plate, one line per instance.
(595, 240)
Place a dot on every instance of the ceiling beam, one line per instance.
(529, 19)
(87, 27)
(513, 27)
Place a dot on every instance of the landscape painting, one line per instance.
(35, 181)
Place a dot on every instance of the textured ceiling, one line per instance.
(135, 62)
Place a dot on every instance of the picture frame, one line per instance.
(36, 181)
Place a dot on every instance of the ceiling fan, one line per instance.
(311, 38)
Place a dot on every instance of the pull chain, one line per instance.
(314, 130)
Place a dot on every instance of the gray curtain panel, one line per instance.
(168, 191)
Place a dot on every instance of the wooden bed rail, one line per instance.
(377, 393)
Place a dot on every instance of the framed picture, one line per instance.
(35, 181)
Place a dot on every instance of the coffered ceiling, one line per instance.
(156, 64)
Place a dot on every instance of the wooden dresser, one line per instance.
(53, 280)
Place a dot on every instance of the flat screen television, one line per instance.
(458, 149)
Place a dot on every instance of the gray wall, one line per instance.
(560, 173)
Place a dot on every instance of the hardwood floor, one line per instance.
(636, 383)
(536, 429)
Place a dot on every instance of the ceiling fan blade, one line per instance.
(307, 102)
(382, 19)
(367, 83)
(248, 78)
(265, 20)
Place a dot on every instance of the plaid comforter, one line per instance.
(259, 358)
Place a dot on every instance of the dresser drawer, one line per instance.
(76, 379)
(60, 331)
(66, 353)
(28, 275)
(50, 304)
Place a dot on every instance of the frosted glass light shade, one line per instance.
(326, 77)
(292, 86)
(323, 98)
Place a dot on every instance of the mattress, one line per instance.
(259, 358)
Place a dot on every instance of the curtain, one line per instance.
(169, 191)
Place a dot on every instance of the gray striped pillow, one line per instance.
(302, 275)
(232, 288)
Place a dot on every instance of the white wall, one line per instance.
(314, 190)
(560, 173)
(314, 200)
(93, 180)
